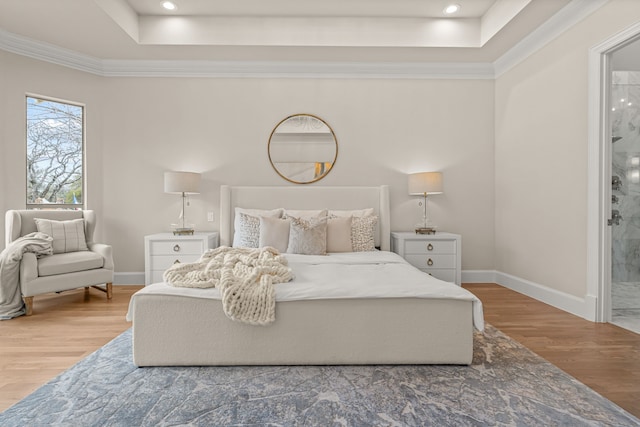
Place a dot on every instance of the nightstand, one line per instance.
(437, 254)
(164, 249)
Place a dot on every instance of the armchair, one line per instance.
(60, 271)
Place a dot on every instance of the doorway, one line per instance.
(624, 155)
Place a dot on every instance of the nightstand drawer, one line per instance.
(161, 247)
(162, 250)
(438, 254)
(162, 262)
(446, 274)
(430, 247)
(431, 260)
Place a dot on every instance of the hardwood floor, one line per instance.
(63, 329)
(67, 327)
(601, 355)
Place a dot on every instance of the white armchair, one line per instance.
(60, 271)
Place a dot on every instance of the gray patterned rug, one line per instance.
(507, 385)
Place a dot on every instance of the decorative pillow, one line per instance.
(247, 233)
(274, 232)
(240, 233)
(308, 237)
(339, 234)
(363, 233)
(356, 213)
(68, 236)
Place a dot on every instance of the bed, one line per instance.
(341, 308)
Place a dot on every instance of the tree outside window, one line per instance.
(55, 143)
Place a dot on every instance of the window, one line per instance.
(55, 148)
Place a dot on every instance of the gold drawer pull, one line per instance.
(176, 248)
(429, 262)
(429, 247)
(176, 261)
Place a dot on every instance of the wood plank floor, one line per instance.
(63, 329)
(601, 355)
(66, 328)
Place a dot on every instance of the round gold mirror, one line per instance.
(302, 148)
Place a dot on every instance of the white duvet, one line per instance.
(346, 275)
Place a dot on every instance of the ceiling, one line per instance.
(408, 31)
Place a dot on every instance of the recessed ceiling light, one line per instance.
(452, 8)
(169, 5)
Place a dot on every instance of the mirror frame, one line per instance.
(335, 140)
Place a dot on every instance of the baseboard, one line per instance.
(132, 278)
(478, 276)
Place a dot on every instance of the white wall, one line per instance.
(141, 127)
(541, 156)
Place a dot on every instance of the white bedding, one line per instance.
(377, 274)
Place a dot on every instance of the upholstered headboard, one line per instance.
(305, 197)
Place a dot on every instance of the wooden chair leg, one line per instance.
(28, 302)
(108, 289)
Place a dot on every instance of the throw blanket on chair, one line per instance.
(244, 276)
(11, 304)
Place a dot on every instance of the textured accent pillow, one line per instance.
(274, 232)
(308, 237)
(247, 234)
(363, 233)
(68, 236)
(339, 234)
(239, 233)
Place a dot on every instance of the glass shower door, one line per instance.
(625, 199)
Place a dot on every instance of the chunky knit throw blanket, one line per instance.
(244, 276)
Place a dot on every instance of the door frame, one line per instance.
(599, 173)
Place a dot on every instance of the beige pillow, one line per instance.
(363, 233)
(246, 231)
(274, 232)
(339, 234)
(68, 236)
(308, 237)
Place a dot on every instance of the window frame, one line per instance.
(51, 206)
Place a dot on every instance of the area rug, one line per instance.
(507, 385)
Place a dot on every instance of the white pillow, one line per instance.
(356, 212)
(68, 236)
(308, 237)
(274, 232)
(251, 234)
(339, 234)
(363, 233)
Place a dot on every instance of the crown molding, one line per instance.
(292, 69)
(566, 18)
(556, 25)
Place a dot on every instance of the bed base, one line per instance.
(186, 331)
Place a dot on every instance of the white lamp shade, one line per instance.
(425, 183)
(182, 182)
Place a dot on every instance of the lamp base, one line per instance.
(425, 230)
(182, 230)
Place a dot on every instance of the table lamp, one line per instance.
(183, 183)
(423, 184)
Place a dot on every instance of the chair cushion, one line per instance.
(68, 236)
(69, 262)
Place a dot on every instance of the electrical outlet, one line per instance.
(210, 216)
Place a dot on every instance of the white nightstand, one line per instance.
(438, 254)
(164, 249)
